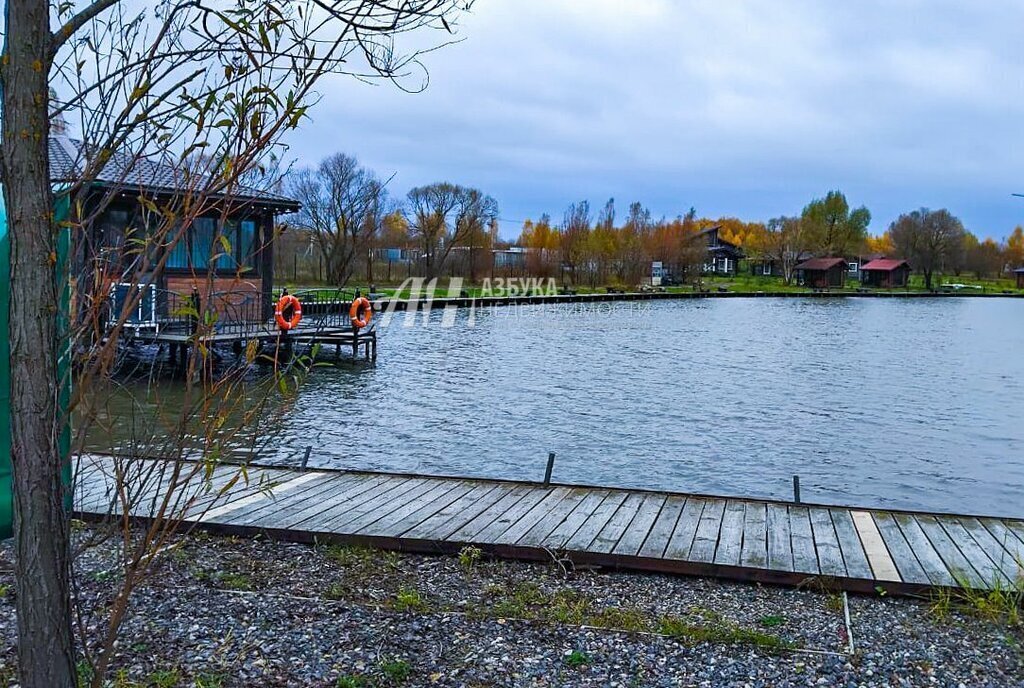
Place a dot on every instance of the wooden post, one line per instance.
(550, 467)
(796, 489)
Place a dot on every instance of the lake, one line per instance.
(902, 403)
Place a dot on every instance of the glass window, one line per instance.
(247, 244)
(203, 231)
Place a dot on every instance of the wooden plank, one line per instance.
(755, 536)
(416, 511)
(706, 539)
(805, 555)
(521, 496)
(280, 503)
(331, 520)
(640, 527)
(591, 528)
(225, 512)
(878, 554)
(854, 558)
(374, 509)
(954, 559)
(1009, 540)
(458, 513)
(830, 557)
(661, 532)
(609, 536)
(681, 542)
(560, 536)
(780, 546)
(909, 549)
(346, 493)
(552, 519)
(989, 572)
(1016, 526)
(528, 520)
(730, 535)
(1004, 559)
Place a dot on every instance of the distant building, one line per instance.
(1019, 272)
(396, 255)
(885, 272)
(723, 256)
(769, 267)
(823, 273)
(513, 257)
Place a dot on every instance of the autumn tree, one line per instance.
(343, 206)
(1015, 249)
(441, 216)
(929, 239)
(161, 80)
(784, 241)
(542, 241)
(983, 258)
(574, 237)
(832, 228)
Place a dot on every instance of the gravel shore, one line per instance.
(252, 612)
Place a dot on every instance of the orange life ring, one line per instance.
(284, 303)
(360, 305)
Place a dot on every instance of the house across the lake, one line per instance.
(885, 272)
(723, 256)
(226, 248)
(1019, 273)
(823, 273)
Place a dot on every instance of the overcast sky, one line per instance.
(734, 107)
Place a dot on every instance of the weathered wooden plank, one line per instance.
(755, 536)
(911, 553)
(226, 512)
(344, 495)
(879, 555)
(1004, 558)
(956, 563)
(730, 535)
(552, 519)
(561, 535)
(639, 528)
(588, 532)
(609, 536)
(377, 508)
(458, 513)
(1016, 526)
(511, 506)
(780, 546)
(681, 542)
(854, 558)
(706, 539)
(661, 532)
(805, 555)
(331, 520)
(989, 572)
(1009, 540)
(830, 557)
(528, 520)
(416, 511)
(282, 500)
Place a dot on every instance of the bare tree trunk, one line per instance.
(42, 567)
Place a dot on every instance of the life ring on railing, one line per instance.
(285, 303)
(361, 312)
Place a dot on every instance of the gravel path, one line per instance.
(250, 612)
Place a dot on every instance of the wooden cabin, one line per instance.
(723, 257)
(823, 273)
(888, 273)
(1019, 274)
(225, 254)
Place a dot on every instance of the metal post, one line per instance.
(796, 489)
(551, 466)
(305, 459)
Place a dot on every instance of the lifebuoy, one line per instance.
(361, 312)
(285, 303)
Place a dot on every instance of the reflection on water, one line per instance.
(903, 403)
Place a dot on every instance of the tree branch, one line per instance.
(61, 35)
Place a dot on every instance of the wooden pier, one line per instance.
(856, 549)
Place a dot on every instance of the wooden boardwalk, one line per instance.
(738, 539)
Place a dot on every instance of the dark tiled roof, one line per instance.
(885, 264)
(1019, 271)
(821, 264)
(66, 158)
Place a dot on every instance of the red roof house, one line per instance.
(885, 272)
(822, 273)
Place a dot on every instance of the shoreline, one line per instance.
(385, 303)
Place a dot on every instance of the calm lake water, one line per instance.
(915, 403)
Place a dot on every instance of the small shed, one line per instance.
(1019, 273)
(885, 272)
(822, 273)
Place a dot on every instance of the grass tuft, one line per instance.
(692, 631)
(577, 659)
